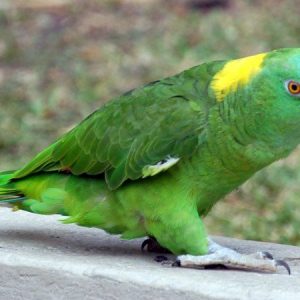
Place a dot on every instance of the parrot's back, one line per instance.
(163, 121)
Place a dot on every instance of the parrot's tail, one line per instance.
(82, 199)
(41, 194)
(5, 177)
(8, 193)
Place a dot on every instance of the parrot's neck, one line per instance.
(229, 155)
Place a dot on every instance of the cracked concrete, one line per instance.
(43, 259)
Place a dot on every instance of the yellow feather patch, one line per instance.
(236, 73)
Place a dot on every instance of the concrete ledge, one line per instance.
(43, 259)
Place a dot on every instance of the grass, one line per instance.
(59, 62)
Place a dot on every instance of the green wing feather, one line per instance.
(139, 129)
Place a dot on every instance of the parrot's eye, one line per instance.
(293, 87)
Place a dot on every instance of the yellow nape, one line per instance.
(236, 73)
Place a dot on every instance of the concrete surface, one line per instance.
(43, 259)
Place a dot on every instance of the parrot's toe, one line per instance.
(268, 256)
(151, 245)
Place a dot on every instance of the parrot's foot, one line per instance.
(218, 255)
(152, 245)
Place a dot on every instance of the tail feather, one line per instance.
(41, 194)
(7, 191)
(5, 177)
(13, 200)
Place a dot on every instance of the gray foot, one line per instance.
(218, 255)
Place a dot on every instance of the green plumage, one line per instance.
(156, 159)
(140, 128)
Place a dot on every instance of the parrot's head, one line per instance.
(267, 87)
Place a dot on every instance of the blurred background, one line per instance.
(61, 59)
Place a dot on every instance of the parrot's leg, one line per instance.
(219, 255)
(179, 233)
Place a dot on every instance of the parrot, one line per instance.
(153, 162)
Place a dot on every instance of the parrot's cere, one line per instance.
(155, 160)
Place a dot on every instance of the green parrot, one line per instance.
(155, 160)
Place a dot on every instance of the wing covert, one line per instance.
(151, 127)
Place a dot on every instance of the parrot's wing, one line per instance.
(140, 134)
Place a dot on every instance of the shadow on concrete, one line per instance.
(73, 242)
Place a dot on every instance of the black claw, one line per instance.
(284, 264)
(144, 244)
(176, 263)
(267, 255)
(151, 245)
(160, 258)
